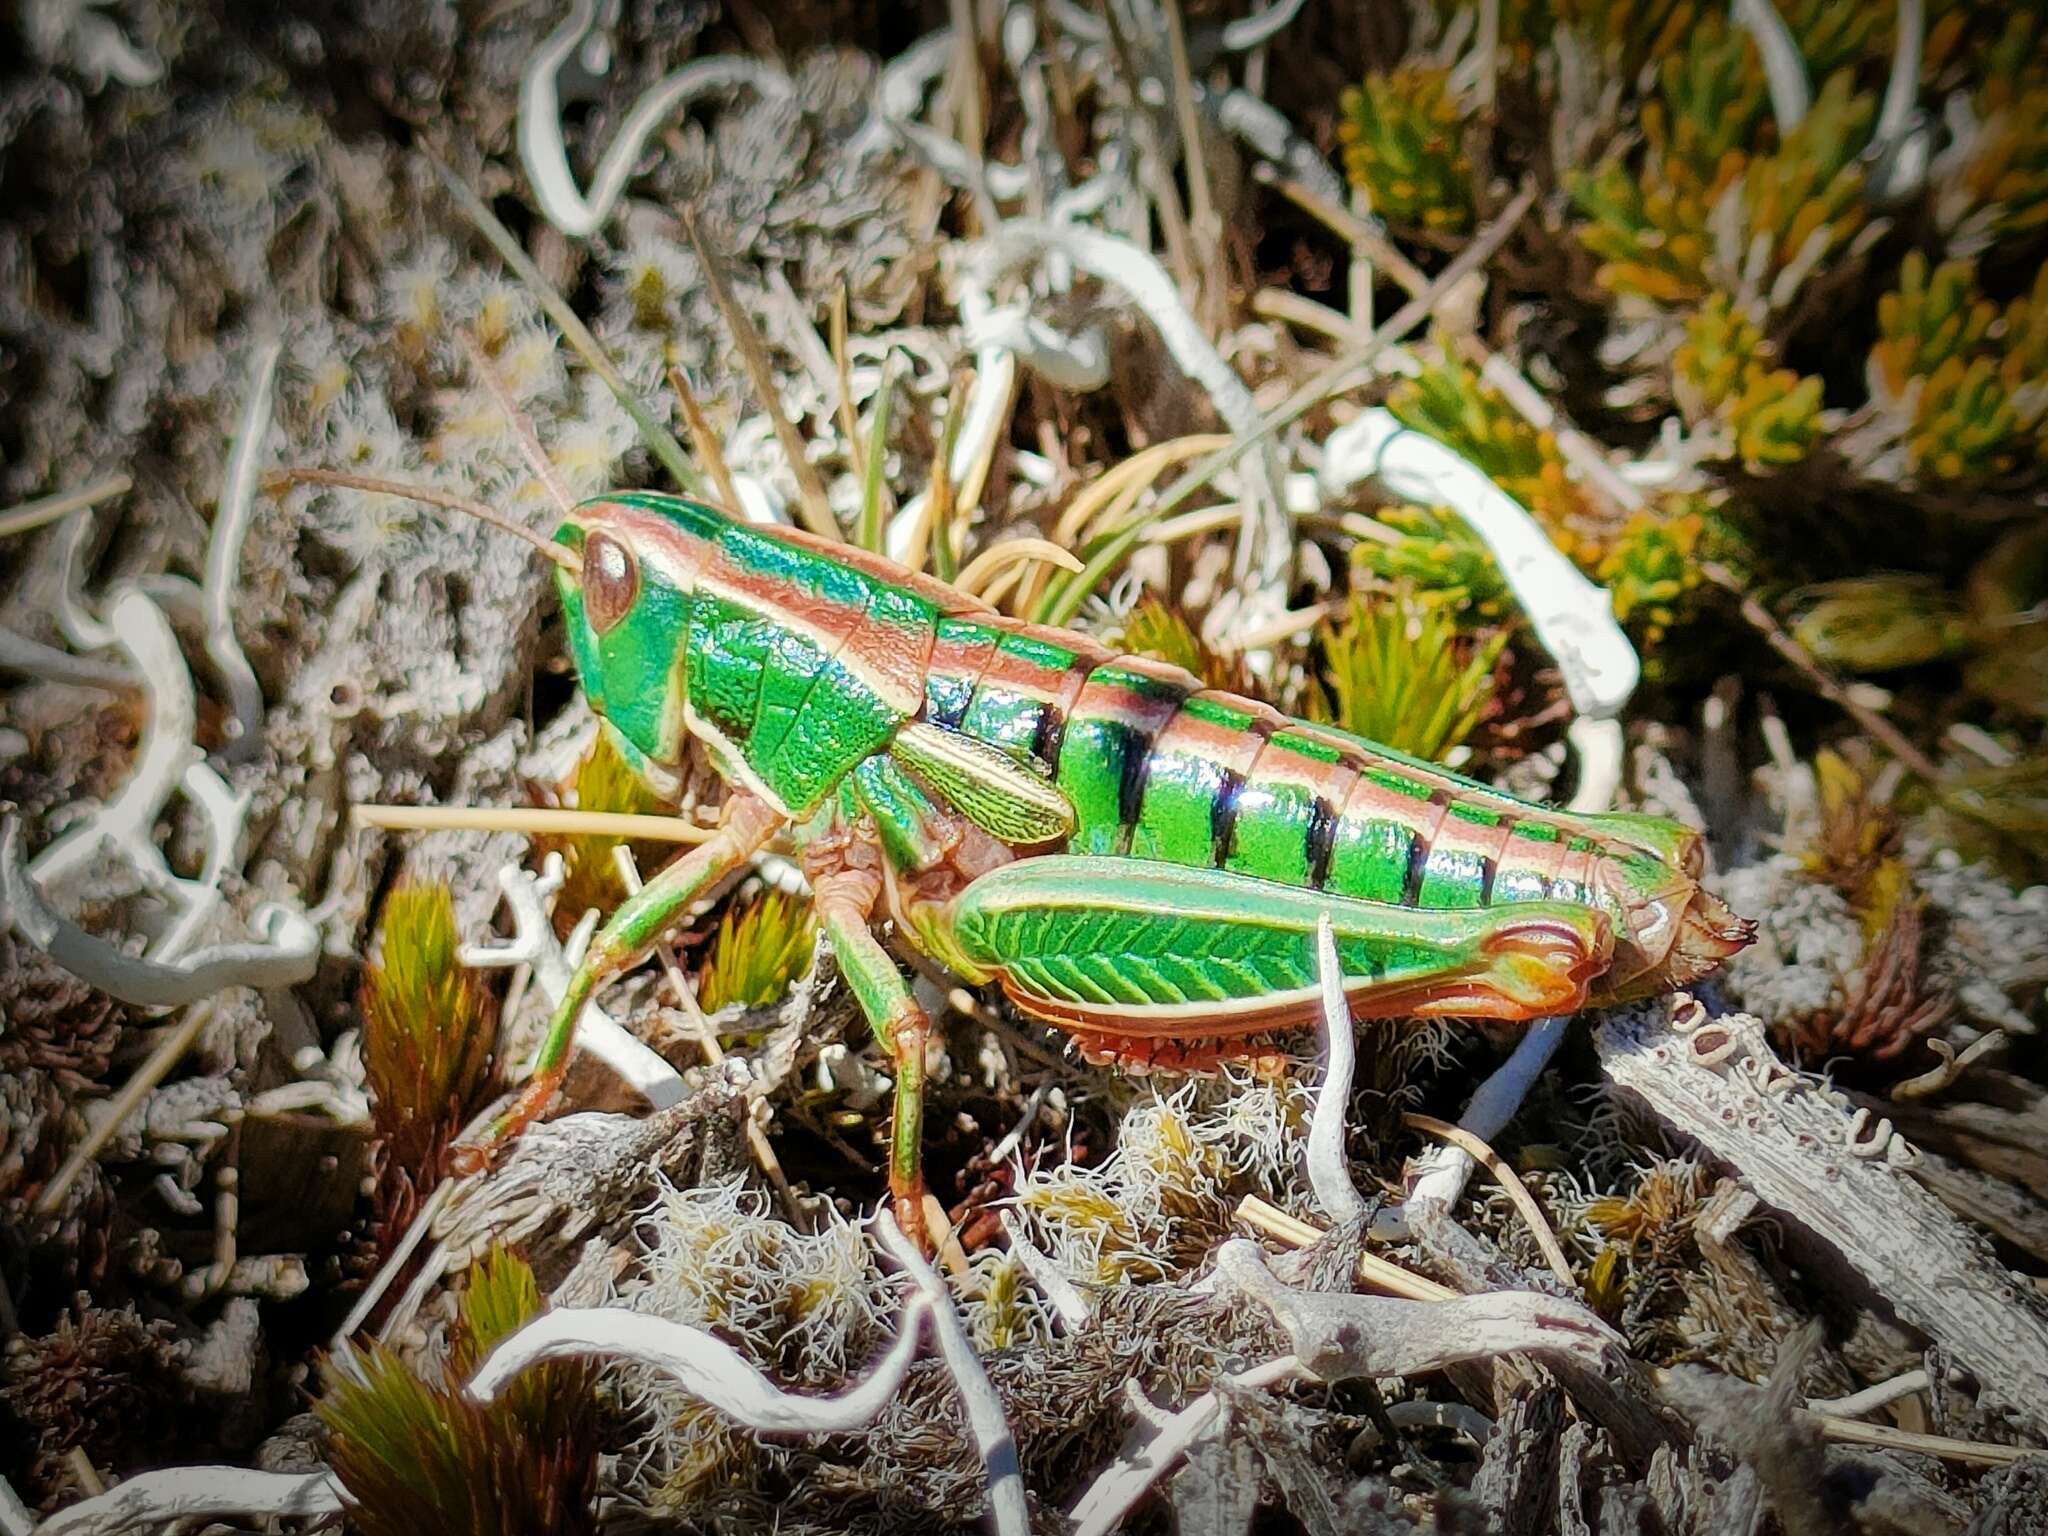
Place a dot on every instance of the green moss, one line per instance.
(420, 1458)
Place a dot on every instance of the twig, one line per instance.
(1517, 1191)
(1885, 1437)
(528, 819)
(1349, 369)
(1440, 1175)
(47, 509)
(394, 1263)
(1824, 683)
(154, 1499)
(1104, 1503)
(812, 503)
(1870, 1399)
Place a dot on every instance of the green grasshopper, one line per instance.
(1135, 859)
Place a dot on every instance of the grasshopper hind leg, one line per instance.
(1153, 956)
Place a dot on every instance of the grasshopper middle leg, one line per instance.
(642, 922)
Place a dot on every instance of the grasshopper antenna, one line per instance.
(431, 497)
(522, 429)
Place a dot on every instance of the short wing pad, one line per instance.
(1143, 947)
(1011, 802)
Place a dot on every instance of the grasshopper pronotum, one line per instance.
(1135, 859)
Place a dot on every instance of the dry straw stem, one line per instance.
(34, 514)
(169, 1052)
(1517, 1191)
(812, 502)
(984, 567)
(703, 439)
(1374, 1272)
(528, 819)
(1824, 683)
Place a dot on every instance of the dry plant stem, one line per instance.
(1885, 1437)
(984, 1409)
(150, 1500)
(1373, 1271)
(1716, 1082)
(530, 819)
(1350, 368)
(842, 368)
(1117, 262)
(394, 1263)
(812, 503)
(1440, 1175)
(660, 442)
(1824, 683)
(703, 439)
(169, 1052)
(1870, 1399)
(707, 1041)
(1203, 222)
(47, 509)
(1583, 453)
(984, 566)
(1517, 1191)
(679, 984)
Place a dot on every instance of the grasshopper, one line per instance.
(1135, 859)
(1131, 857)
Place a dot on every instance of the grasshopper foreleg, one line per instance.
(642, 922)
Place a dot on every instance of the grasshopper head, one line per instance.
(626, 596)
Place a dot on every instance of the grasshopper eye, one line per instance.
(611, 580)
